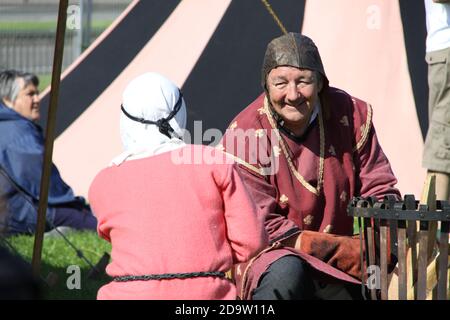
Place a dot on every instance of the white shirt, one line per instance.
(438, 25)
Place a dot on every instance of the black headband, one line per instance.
(163, 123)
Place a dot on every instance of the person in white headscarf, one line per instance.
(175, 228)
(146, 100)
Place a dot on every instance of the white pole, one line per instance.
(78, 37)
(87, 24)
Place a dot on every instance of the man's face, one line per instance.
(27, 101)
(293, 93)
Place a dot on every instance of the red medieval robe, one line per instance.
(305, 185)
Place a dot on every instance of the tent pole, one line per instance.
(49, 136)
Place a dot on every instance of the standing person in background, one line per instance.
(21, 162)
(175, 227)
(436, 155)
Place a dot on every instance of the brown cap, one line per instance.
(292, 49)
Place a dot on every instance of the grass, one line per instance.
(355, 226)
(57, 256)
(44, 25)
(44, 81)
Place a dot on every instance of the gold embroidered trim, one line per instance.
(276, 151)
(259, 171)
(367, 127)
(284, 199)
(259, 133)
(261, 110)
(233, 125)
(308, 220)
(294, 171)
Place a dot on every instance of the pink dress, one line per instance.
(162, 217)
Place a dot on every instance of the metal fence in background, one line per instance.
(23, 48)
(33, 51)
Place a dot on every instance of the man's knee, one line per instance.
(288, 278)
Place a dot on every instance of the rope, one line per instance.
(274, 16)
(166, 276)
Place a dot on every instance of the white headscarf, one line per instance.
(150, 97)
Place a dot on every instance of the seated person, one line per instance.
(21, 163)
(176, 224)
(305, 149)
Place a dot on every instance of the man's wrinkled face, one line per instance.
(27, 101)
(293, 93)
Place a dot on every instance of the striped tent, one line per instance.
(213, 50)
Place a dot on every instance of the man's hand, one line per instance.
(341, 252)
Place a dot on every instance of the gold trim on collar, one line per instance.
(294, 171)
(259, 171)
(366, 131)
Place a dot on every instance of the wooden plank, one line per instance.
(371, 251)
(376, 237)
(363, 269)
(402, 251)
(427, 272)
(366, 223)
(429, 198)
(422, 262)
(383, 259)
(426, 241)
(443, 262)
(398, 278)
(432, 272)
(393, 234)
(411, 256)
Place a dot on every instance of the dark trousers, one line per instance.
(75, 218)
(288, 278)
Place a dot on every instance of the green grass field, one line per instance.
(44, 81)
(57, 256)
(44, 25)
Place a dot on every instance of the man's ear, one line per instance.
(319, 78)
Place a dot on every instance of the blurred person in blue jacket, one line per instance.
(21, 163)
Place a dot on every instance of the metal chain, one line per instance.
(165, 276)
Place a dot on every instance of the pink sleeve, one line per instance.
(95, 201)
(245, 223)
(264, 194)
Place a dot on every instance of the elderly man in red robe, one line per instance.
(305, 149)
